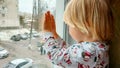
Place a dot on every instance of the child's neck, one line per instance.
(89, 39)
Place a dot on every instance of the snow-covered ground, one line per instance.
(6, 34)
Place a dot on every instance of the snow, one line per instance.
(6, 34)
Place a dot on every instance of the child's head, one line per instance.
(92, 17)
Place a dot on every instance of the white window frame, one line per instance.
(62, 28)
(59, 17)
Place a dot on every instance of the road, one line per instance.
(20, 50)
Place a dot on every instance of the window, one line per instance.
(22, 64)
(23, 39)
(67, 37)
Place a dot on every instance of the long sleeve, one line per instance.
(84, 55)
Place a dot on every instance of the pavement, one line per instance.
(20, 49)
(17, 50)
(5, 35)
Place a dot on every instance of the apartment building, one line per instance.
(9, 18)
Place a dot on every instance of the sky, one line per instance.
(25, 6)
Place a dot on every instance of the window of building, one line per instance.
(23, 40)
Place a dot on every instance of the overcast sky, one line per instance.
(25, 5)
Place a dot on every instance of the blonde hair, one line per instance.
(91, 16)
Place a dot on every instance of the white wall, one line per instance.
(11, 18)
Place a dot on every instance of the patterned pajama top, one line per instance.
(80, 55)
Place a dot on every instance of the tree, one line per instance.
(21, 19)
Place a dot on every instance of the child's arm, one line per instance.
(55, 48)
(62, 55)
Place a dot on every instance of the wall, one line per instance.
(11, 18)
(115, 47)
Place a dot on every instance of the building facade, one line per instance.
(9, 17)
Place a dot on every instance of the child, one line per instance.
(91, 25)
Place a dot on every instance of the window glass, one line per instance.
(22, 64)
(67, 37)
(20, 30)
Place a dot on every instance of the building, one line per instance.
(9, 18)
(26, 19)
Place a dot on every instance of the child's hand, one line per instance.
(49, 24)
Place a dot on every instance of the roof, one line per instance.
(17, 61)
